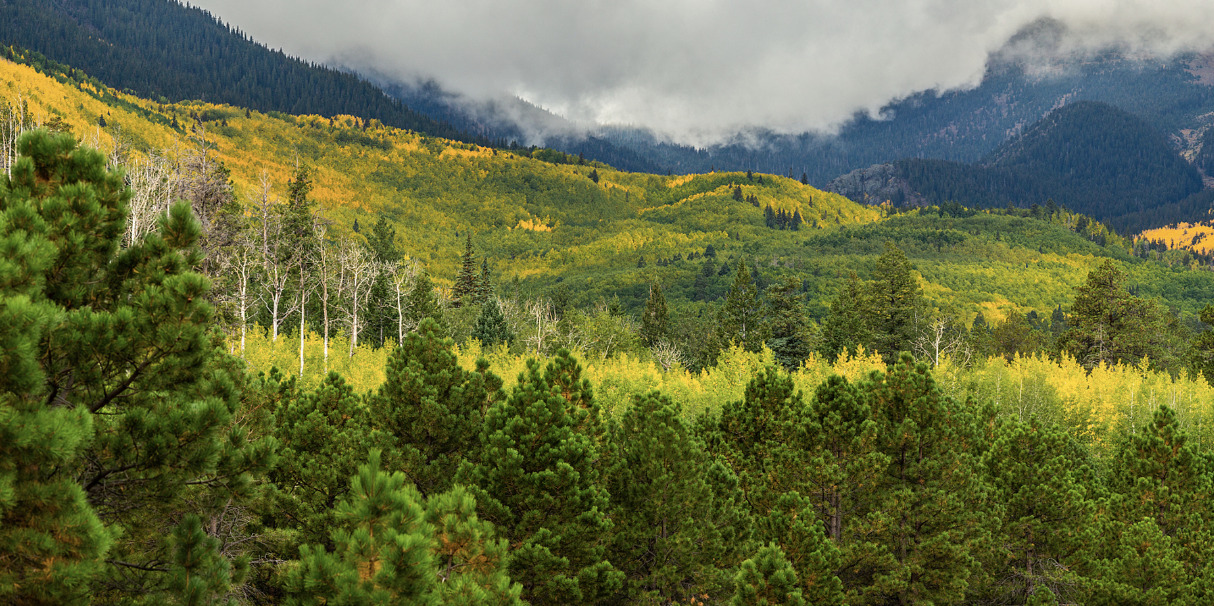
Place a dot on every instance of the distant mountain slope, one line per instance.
(959, 126)
(161, 48)
(1090, 157)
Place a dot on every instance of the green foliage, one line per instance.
(200, 575)
(741, 320)
(465, 281)
(1047, 487)
(935, 507)
(791, 337)
(382, 547)
(429, 409)
(323, 435)
(122, 337)
(672, 537)
(491, 327)
(1110, 325)
(767, 579)
(655, 319)
(896, 304)
(534, 480)
(846, 327)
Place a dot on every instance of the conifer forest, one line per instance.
(266, 350)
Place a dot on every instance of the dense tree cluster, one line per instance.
(178, 52)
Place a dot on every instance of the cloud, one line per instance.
(699, 71)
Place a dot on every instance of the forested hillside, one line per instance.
(162, 49)
(263, 358)
(1089, 157)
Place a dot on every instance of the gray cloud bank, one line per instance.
(699, 71)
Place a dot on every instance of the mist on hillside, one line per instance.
(701, 73)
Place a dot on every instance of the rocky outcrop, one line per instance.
(876, 184)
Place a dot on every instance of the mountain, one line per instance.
(1174, 96)
(162, 49)
(1091, 157)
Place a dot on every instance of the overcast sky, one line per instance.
(699, 70)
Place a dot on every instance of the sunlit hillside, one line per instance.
(433, 189)
(555, 222)
(1197, 237)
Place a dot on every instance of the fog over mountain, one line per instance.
(699, 71)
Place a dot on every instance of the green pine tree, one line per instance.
(534, 479)
(655, 319)
(382, 547)
(323, 436)
(199, 575)
(791, 338)
(767, 579)
(123, 338)
(935, 510)
(673, 537)
(491, 327)
(1109, 325)
(741, 321)
(422, 303)
(471, 561)
(429, 409)
(896, 304)
(847, 324)
(1045, 483)
(843, 467)
(465, 287)
(792, 526)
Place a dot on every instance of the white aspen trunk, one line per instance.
(303, 296)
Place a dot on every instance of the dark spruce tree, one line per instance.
(896, 304)
(655, 319)
(846, 328)
(791, 338)
(741, 320)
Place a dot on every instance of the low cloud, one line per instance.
(702, 71)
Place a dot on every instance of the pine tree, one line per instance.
(471, 561)
(847, 324)
(1109, 325)
(792, 526)
(123, 338)
(382, 551)
(465, 281)
(1157, 474)
(791, 340)
(1043, 479)
(843, 466)
(741, 320)
(484, 284)
(654, 320)
(199, 575)
(935, 510)
(429, 409)
(761, 437)
(534, 479)
(422, 303)
(896, 304)
(491, 327)
(323, 436)
(673, 537)
(767, 579)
